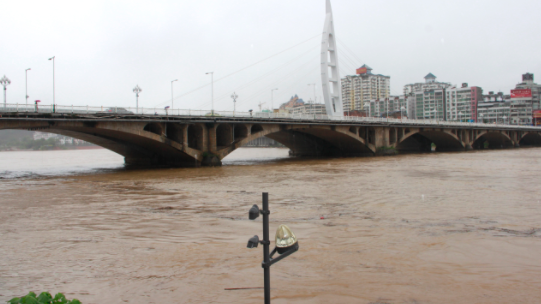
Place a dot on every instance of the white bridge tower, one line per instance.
(330, 78)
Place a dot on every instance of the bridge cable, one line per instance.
(224, 77)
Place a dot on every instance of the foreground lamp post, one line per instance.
(286, 242)
(5, 82)
(137, 90)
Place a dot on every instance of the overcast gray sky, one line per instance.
(104, 48)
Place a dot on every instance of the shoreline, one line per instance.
(56, 149)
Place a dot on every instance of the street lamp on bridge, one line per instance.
(172, 92)
(234, 96)
(312, 103)
(211, 91)
(52, 58)
(26, 84)
(5, 82)
(272, 100)
(137, 90)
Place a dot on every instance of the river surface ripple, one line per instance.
(427, 228)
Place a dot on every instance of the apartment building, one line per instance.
(363, 87)
(461, 103)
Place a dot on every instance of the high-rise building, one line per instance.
(363, 87)
(429, 104)
(429, 84)
(427, 98)
(461, 103)
(525, 99)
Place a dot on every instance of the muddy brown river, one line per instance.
(427, 228)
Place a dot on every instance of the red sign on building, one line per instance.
(521, 93)
(361, 71)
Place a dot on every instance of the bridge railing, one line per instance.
(126, 111)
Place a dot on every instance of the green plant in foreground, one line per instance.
(43, 298)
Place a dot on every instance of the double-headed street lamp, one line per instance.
(234, 96)
(286, 242)
(5, 82)
(137, 90)
(172, 92)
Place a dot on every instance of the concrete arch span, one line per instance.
(492, 140)
(421, 141)
(530, 139)
(303, 140)
(137, 145)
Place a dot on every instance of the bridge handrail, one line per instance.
(72, 109)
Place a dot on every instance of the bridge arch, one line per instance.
(239, 132)
(137, 145)
(154, 127)
(421, 141)
(530, 139)
(224, 135)
(307, 140)
(492, 140)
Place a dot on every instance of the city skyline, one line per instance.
(103, 50)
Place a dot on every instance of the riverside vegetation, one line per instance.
(43, 298)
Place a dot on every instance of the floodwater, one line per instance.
(427, 228)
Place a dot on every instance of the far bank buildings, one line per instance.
(369, 94)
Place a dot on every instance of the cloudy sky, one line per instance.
(103, 49)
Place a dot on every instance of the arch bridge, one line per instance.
(196, 141)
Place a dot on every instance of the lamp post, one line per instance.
(172, 92)
(5, 82)
(137, 90)
(26, 84)
(52, 58)
(311, 106)
(234, 96)
(402, 113)
(286, 242)
(272, 99)
(211, 90)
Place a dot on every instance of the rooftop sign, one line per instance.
(521, 93)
